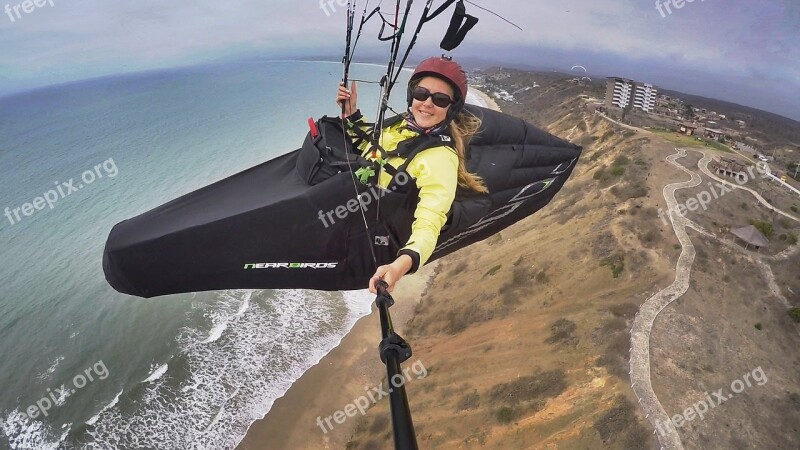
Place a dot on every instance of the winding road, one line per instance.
(641, 384)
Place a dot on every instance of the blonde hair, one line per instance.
(462, 129)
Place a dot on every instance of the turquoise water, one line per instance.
(113, 371)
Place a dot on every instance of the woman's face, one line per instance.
(426, 114)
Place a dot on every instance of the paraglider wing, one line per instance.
(523, 168)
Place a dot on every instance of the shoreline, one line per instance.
(335, 381)
(489, 101)
(340, 376)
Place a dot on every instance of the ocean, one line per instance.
(86, 367)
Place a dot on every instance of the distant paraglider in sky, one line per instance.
(583, 77)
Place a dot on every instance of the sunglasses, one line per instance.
(439, 99)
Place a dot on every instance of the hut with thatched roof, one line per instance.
(751, 236)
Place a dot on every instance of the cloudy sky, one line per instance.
(738, 50)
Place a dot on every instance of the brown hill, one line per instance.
(526, 335)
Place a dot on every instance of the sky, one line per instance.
(743, 51)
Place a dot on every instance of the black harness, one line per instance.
(328, 150)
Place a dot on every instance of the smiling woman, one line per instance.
(435, 124)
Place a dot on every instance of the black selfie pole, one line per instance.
(394, 350)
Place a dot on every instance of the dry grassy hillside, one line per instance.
(526, 334)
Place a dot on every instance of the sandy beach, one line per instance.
(340, 377)
(488, 101)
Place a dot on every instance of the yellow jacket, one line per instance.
(435, 172)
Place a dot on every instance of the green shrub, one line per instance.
(794, 208)
(794, 313)
(617, 171)
(626, 310)
(621, 160)
(764, 227)
(505, 415)
(758, 326)
(616, 420)
(458, 320)
(627, 191)
(493, 270)
(616, 263)
(791, 238)
(600, 174)
(469, 401)
(561, 331)
(540, 386)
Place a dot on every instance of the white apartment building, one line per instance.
(621, 92)
(645, 97)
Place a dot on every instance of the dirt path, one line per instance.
(643, 323)
(703, 166)
(627, 127)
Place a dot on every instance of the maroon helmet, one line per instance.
(447, 70)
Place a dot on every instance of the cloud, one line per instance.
(80, 39)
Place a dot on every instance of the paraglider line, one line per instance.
(492, 12)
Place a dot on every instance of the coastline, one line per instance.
(341, 375)
(488, 101)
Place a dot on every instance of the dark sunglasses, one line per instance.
(439, 99)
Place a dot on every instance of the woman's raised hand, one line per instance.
(349, 97)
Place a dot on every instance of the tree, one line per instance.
(794, 170)
(688, 113)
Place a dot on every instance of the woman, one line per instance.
(436, 94)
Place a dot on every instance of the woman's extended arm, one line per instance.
(436, 176)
